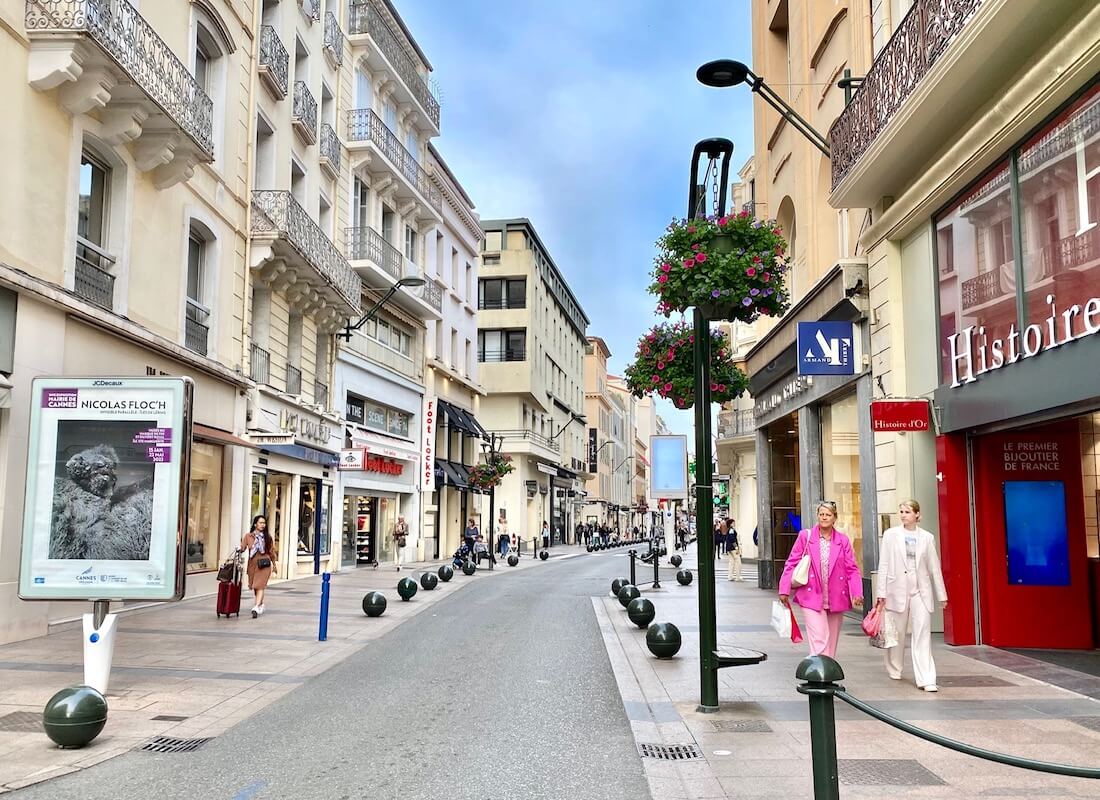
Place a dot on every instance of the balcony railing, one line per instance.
(740, 422)
(92, 280)
(367, 243)
(366, 18)
(274, 60)
(531, 436)
(433, 295)
(304, 115)
(986, 287)
(1070, 253)
(293, 380)
(334, 39)
(365, 125)
(260, 365)
(196, 332)
(311, 8)
(916, 45)
(502, 304)
(137, 49)
(329, 149)
(320, 394)
(278, 212)
(504, 354)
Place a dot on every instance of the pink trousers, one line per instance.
(822, 631)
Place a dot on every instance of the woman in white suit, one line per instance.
(909, 583)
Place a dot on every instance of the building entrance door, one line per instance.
(278, 520)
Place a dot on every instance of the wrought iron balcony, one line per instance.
(260, 365)
(367, 243)
(311, 8)
(196, 332)
(329, 150)
(304, 114)
(92, 280)
(278, 216)
(293, 380)
(135, 54)
(320, 394)
(917, 44)
(433, 295)
(274, 64)
(365, 125)
(736, 423)
(987, 286)
(366, 18)
(334, 39)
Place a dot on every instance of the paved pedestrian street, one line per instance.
(524, 682)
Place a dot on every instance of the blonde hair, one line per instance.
(827, 504)
(913, 504)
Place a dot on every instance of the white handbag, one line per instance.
(801, 574)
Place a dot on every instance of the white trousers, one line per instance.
(734, 559)
(924, 668)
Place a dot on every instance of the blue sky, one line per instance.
(582, 117)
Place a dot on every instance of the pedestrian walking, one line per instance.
(261, 560)
(833, 583)
(545, 534)
(470, 535)
(400, 537)
(733, 552)
(720, 531)
(503, 537)
(909, 583)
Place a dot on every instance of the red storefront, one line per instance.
(1018, 265)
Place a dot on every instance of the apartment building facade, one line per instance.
(974, 143)
(124, 251)
(531, 361)
(598, 410)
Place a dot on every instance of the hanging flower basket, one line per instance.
(729, 267)
(665, 365)
(484, 477)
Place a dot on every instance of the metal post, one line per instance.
(317, 527)
(322, 631)
(633, 578)
(704, 519)
(821, 674)
(847, 84)
(656, 566)
(100, 609)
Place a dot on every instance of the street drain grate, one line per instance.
(670, 752)
(972, 681)
(166, 744)
(741, 726)
(169, 718)
(886, 772)
(1092, 723)
(22, 722)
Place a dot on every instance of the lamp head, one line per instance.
(411, 282)
(722, 73)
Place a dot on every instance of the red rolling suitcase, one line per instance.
(229, 598)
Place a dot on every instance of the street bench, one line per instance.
(737, 657)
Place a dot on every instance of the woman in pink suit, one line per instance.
(824, 601)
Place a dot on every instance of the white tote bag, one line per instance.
(781, 619)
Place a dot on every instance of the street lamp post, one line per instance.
(491, 448)
(402, 283)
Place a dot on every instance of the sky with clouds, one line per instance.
(581, 115)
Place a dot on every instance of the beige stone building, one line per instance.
(531, 360)
(124, 246)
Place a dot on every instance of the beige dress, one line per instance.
(257, 578)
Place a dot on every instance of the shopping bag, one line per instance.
(781, 619)
(228, 571)
(872, 622)
(887, 635)
(796, 632)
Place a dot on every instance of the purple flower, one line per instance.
(747, 301)
(716, 293)
(754, 292)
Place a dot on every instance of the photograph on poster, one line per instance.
(103, 490)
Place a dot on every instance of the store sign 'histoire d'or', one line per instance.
(974, 354)
(892, 416)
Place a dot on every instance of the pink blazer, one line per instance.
(844, 581)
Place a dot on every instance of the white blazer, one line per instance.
(892, 568)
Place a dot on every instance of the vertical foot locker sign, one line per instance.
(105, 516)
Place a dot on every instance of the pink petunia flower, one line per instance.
(751, 272)
(660, 365)
(714, 387)
(662, 279)
(767, 276)
(666, 267)
(691, 229)
(668, 387)
(689, 261)
(700, 258)
(695, 246)
(721, 387)
(723, 220)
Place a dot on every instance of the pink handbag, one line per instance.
(872, 623)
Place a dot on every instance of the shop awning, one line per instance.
(566, 473)
(462, 420)
(454, 474)
(218, 436)
(379, 445)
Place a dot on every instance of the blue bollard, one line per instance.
(322, 631)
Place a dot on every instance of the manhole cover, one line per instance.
(971, 681)
(1092, 723)
(169, 718)
(166, 744)
(670, 752)
(22, 722)
(886, 772)
(741, 726)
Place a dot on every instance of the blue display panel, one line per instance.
(1037, 533)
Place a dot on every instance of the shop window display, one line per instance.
(786, 490)
(840, 469)
(204, 507)
(308, 499)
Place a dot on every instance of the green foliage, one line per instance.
(665, 365)
(491, 473)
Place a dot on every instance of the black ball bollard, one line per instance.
(374, 604)
(628, 593)
(446, 572)
(641, 611)
(589, 548)
(663, 639)
(684, 577)
(676, 561)
(618, 584)
(429, 581)
(74, 716)
(469, 568)
(544, 555)
(513, 559)
(406, 587)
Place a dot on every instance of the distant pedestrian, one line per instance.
(545, 534)
(733, 553)
(470, 534)
(720, 531)
(481, 550)
(400, 539)
(756, 535)
(503, 538)
(260, 551)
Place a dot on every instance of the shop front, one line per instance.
(1018, 405)
(813, 433)
(293, 482)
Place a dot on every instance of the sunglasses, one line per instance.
(831, 504)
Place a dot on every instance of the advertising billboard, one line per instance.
(668, 472)
(108, 466)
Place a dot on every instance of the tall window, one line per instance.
(92, 203)
(202, 65)
(363, 94)
(389, 116)
(501, 345)
(209, 69)
(92, 278)
(196, 324)
(410, 244)
(360, 204)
